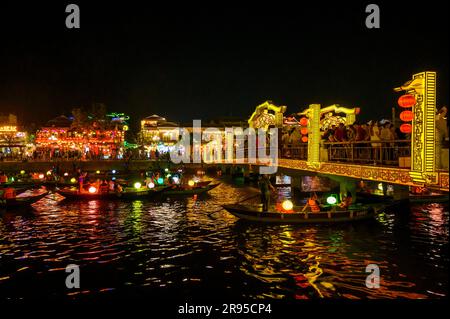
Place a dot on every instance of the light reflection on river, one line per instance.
(171, 248)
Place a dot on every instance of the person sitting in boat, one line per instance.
(346, 201)
(313, 203)
(104, 187)
(112, 185)
(8, 193)
(119, 188)
(3, 178)
(265, 187)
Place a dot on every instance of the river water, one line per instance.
(172, 247)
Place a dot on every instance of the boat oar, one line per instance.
(241, 201)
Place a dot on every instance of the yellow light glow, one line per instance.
(98, 172)
(22, 172)
(191, 183)
(41, 176)
(73, 180)
(137, 185)
(287, 205)
(49, 172)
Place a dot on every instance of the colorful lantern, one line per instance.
(287, 205)
(407, 100)
(304, 131)
(92, 190)
(151, 185)
(303, 121)
(331, 200)
(406, 128)
(191, 183)
(137, 185)
(304, 139)
(407, 116)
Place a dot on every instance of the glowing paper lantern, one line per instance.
(49, 172)
(22, 172)
(151, 185)
(98, 172)
(191, 183)
(166, 170)
(160, 180)
(406, 128)
(137, 185)
(113, 171)
(92, 190)
(304, 131)
(66, 174)
(303, 121)
(304, 139)
(73, 180)
(407, 116)
(331, 200)
(175, 179)
(287, 205)
(406, 100)
(41, 176)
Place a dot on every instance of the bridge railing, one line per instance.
(386, 153)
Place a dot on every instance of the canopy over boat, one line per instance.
(187, 190)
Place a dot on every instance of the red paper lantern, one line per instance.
(406, 128)
(303, 121)
(407, 116)
(304, 131)
(304, 139)
(407, 100)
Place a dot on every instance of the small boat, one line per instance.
(255, 213)
(133, 193)
(430, 198)
(187, 190)
(24, 199)
(127, 193)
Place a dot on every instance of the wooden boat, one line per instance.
(431, 198)
(24, 199)
(255, 213)
(127, 193)
(187, 190)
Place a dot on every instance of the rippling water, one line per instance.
(172, 247)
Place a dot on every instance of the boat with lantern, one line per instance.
(25, 198)
(189, 189)
(295, 215)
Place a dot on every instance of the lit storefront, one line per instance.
(13, 141)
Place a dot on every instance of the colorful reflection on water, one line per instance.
(174, 247)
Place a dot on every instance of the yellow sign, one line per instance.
(8, 128)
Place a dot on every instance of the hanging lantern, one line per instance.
(407, 100)
(406, 128)
(304, 131)
(304, 139)
(303, 121)
(407, 116)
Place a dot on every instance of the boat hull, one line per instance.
(252, 213)
(22, 201)
(190, 191)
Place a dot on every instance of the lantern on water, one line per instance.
(304, 139)
(73, 180)
(41, 176)
(303, 121)
(406, 128)
(407, 116)
(160, 180)
(287, 205)
(407, 100)
(151, 185)
(191, 183)
(92, 190)
(304, 131)
(137, 185)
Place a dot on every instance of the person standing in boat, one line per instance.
(265, 186)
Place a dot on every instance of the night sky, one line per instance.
(221, 59)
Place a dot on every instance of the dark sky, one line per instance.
(221, 59)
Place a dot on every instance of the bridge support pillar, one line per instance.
(401, 192)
